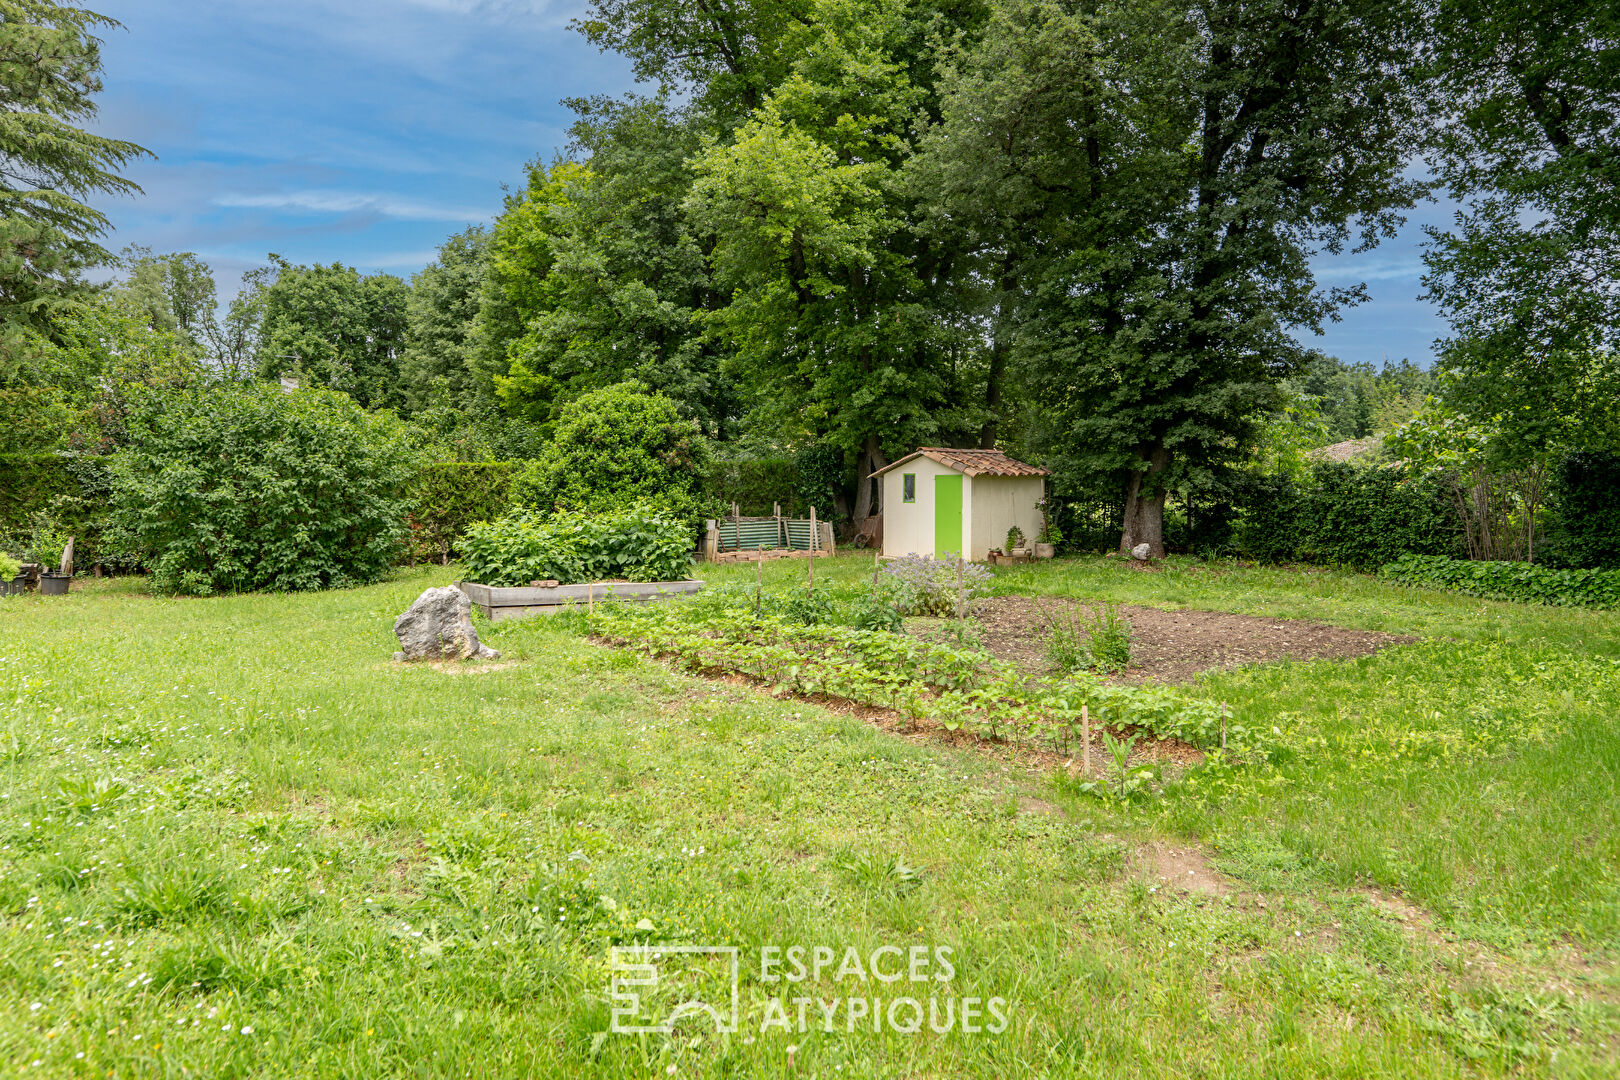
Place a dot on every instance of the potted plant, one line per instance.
(1015, 542)
(48, 542)
(1046, 544)
(11, 579)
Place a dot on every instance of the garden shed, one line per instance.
(938, 500)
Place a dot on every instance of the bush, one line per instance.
(641, 543)
(447, 497)
(233, 487)
(1585, 512)
(1509, 581)
(922, 585)
(1345, 515)
(9, 567)
(617, 447)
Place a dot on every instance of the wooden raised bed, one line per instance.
(500, 603)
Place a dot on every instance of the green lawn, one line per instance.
(237, 840)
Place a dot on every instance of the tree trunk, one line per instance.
(1144, 504)
(1000, 347)
(868, 492)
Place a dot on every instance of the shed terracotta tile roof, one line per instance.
(971, 462)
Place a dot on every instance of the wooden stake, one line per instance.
(813, 538)
(1085, 741)
(590, 597)
(759, 583)
(961, 588)
(1223, 725)
(877, 565)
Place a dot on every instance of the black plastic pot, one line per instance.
(53, 584)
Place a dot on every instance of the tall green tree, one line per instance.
(176, 290)
(841, 318)
(1159, 173)
(335, 328)
(50, 72)
(1527, 97)
(626, 274)
(442, 319)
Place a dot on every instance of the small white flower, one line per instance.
(247, 1031)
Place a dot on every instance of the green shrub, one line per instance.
(641, 543)
(1584, 530)
(1344, 515)
(446, 497)
(1509, 581)
(240, 487)
(9, 567)
(617, 447)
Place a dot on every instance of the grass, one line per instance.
(235, 840)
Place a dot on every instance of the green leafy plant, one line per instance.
(47, 540)
(1108, 638)
(639, 543)
(1015, 538)
(9, 567)
(1077, 640)
(1509, 581)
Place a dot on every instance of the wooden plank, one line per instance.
(493, 598)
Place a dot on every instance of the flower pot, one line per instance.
(53, 584)
(1020, 553)
(1045, 551)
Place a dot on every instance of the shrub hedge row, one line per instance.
(1346, 515)
(1509, 581)
(448, 497)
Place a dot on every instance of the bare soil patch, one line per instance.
(1176, 868)
(1175, 646)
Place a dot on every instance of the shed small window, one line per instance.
(908, 487)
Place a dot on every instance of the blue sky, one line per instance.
(366, 131)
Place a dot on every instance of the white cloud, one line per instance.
(316, 201)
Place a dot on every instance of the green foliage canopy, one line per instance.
(617, 446)
(50, 72)
(229, 487)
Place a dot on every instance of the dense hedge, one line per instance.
(1345, 515)
(1584, 506)
(238, 487)
(755, 486)
(449, 496)
(64, 494)
(640, 543)
(1509, 581)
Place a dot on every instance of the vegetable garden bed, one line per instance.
(957, 688)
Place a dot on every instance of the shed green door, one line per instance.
(947, 515)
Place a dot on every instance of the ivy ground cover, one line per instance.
(237, 841)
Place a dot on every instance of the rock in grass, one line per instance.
(439, 627)
(1140, 552)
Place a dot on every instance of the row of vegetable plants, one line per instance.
(959, 687)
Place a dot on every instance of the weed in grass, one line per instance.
(171, 896)
(1077, 640)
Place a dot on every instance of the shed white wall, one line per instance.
(908, 528)
(996, 504)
